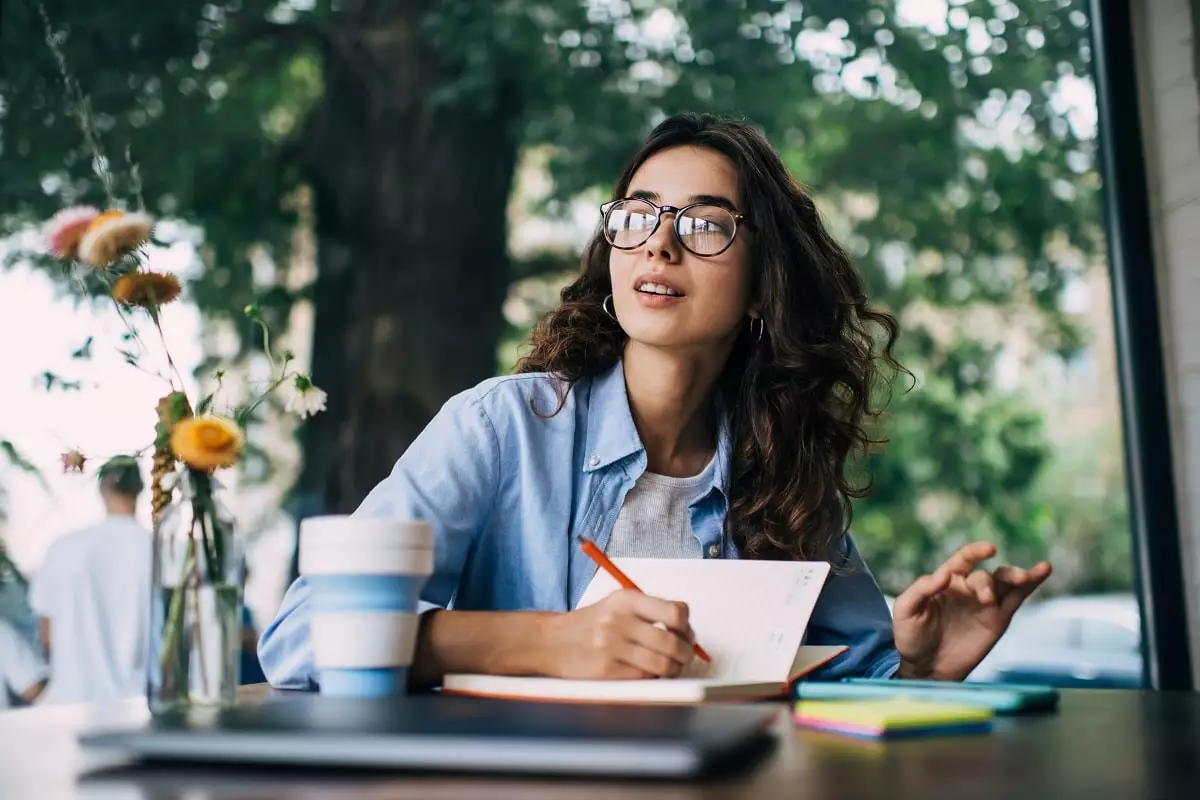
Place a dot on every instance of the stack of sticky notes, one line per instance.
(893, 718)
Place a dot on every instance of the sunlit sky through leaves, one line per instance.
(114, 410)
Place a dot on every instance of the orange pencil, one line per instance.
(597, 555)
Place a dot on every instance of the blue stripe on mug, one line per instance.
(365, 592)
(376, 682)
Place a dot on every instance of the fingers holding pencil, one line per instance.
(623, 636)
(658, 614)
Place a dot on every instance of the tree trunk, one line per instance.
(411, 200)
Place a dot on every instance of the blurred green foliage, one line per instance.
(952, 154)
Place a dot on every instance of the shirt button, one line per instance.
(593, 461)
(714, 551)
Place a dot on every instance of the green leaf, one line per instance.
(16, 459)
(50, 381)
(179, 406)
(19, 461)
(162, 436)
(84, 351)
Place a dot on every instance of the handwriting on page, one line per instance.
(749, 615)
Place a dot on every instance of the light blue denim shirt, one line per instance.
(507, 491)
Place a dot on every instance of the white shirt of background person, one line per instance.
(92, 594)
(23, 671)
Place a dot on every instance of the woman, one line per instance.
(697, 394)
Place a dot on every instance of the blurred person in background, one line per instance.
(92, 595)
(14, 599)
(23, 671)
(250, 668)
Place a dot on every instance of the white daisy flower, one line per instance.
(305, 398)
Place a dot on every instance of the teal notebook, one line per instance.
(1000, 698)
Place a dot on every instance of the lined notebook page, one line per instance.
(748, 615)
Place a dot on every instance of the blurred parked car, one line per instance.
(1082, 641)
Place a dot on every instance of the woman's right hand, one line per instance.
(626, 635)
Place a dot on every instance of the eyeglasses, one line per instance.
(702, 228)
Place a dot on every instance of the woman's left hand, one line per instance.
(945, 623)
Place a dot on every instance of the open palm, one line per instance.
(946, 622)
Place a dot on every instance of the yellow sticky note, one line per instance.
(893, 716)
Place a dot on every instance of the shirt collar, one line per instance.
(612, 436)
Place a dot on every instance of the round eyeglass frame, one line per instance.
(606, 209)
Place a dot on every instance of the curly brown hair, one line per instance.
(800, 400)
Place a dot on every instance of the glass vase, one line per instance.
(196, 585)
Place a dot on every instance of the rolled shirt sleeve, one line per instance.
(448, 476)
(852, 611)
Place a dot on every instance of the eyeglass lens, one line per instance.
(705, 230)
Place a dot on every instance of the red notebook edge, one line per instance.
(799, 676)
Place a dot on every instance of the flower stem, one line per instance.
(79, 107)
(202, 507)
(199, 614)
(151, 373)
(245, 413)
(175, 618)
(128, 326)
(135, 177)
(162, 338)
(216, 548)
(266, 334)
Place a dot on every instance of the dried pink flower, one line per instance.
(64, 231)
(73, 461)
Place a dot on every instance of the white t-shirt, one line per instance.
(94, 587)
(21, 666)
(655, 521)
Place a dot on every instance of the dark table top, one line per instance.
(1100, 743)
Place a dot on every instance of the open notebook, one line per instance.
(748, 615)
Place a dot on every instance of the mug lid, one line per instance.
(402, 561)
(353, 531)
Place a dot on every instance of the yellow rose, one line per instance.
(206, 443)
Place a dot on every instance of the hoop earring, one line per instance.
(757, 331)
(604, 305)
